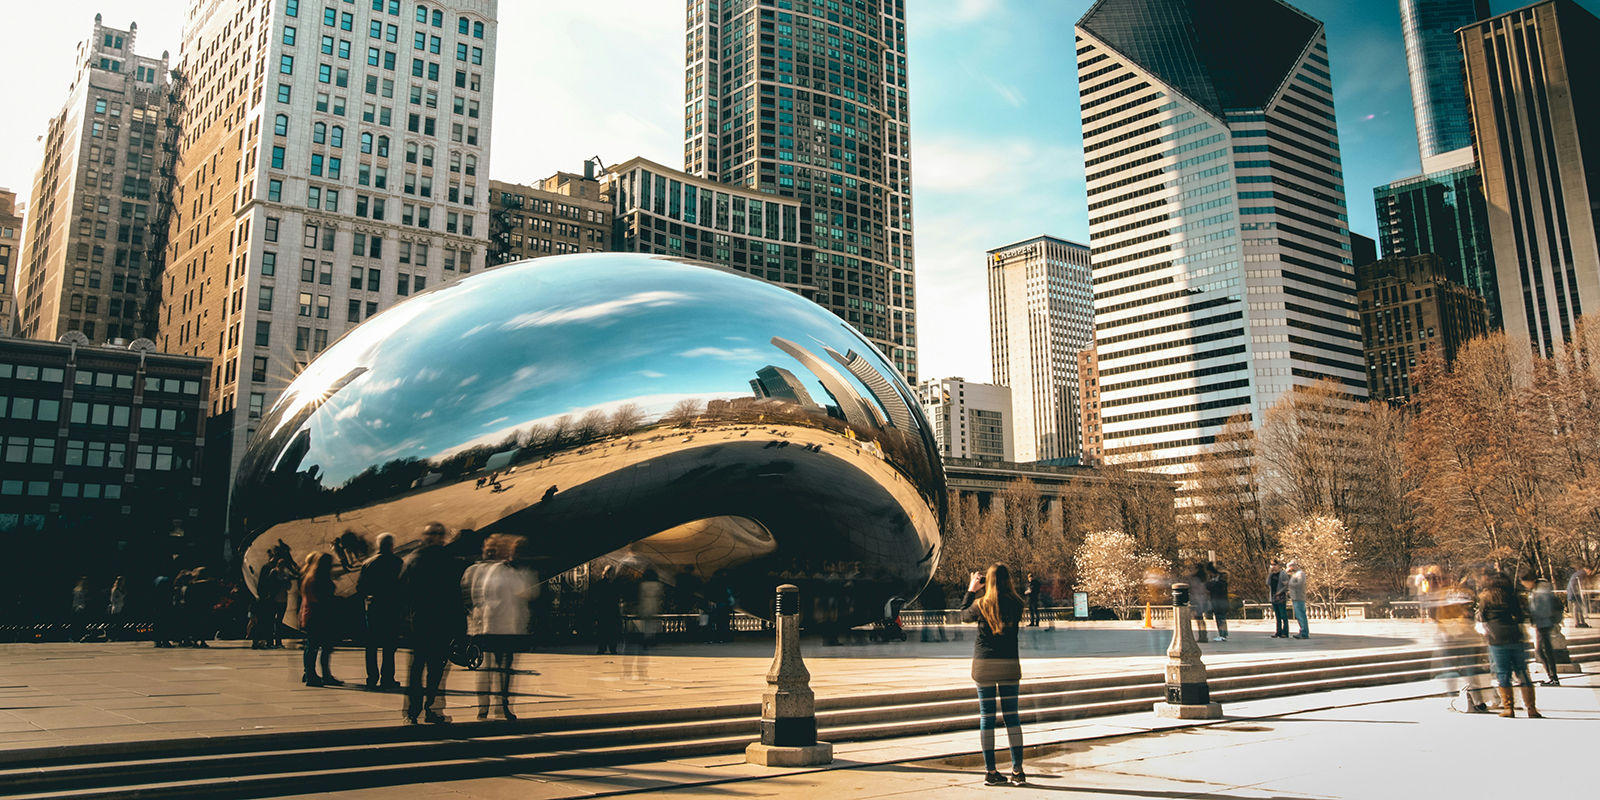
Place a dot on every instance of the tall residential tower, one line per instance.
(333, 160)
(83, 264)
(1223, 275)
(807, 99)
(1438, 84)
(1040, 315)
(1532, 78)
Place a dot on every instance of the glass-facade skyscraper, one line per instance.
(1222, 266)
(1444, 214)
(807, 99)
(1438, 88)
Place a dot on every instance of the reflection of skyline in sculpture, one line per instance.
(856, 409)
(781, 384)
(893, 403)
(603, 439)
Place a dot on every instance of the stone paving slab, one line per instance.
(67, 693)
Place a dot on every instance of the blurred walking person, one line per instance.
(605, 611)
(498, 593)
(116, 603)
(993, 603)
(1501, 614)
(1033, 594)
(1544, 611)
(80, 610)
(318, 619)
(200, 598)
(1217, 591)
(431, 582)
(1575, 601)
(379, 588)
(1199, 599)
(1296, 586)
(1278, 594)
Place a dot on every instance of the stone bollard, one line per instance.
(1188, 694)
(788, 708)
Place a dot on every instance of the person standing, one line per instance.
(605, 609)
(1032, 594)
(317, 618)
(1278, 594)
(992, 602)
(1199, 598)
(1580, 610)
(432, 585)
(1217, 591)
(1296, 587)
(1544, 611)
(379, 588)
(498, 592)
(1501, 613)
(80, 610)
(116, 602)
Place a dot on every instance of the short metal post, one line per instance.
(1188, 693)
(788, 707)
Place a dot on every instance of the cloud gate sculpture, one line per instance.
(651, 411)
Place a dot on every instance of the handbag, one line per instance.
(465, 653)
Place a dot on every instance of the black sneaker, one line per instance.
(993, 778)
(1019, 778)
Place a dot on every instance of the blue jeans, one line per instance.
(1300, 617)
(1509, 660)
(1006, 693)
(1281, 615)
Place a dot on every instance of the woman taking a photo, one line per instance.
(994, 604)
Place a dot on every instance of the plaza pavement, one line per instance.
(1353, 744)
(55, 694)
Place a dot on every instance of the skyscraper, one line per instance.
(10, 249)
(1223, 275)
(1040, 315)
(1532, 78)
(1444, 214)
(1409, 308)
(1438, 87)
(970, 420)
(334, 160)
(806, 99)
(83, 264)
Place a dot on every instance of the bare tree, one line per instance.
(1112, 570)
(685, 411)
(1322, 546)
(626, 419)
(592, 425)
(1225, 506)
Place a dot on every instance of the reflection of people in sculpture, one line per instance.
(497, 592)
(605, 611)
(379, 587)
(432, 584)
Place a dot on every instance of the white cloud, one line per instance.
(594, 311)
(722, 353)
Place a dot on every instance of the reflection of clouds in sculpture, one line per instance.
(646, 411)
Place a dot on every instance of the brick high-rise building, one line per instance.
(806, 101)
(1041, 313)
(334, 160)
(1533, 78)
(561, 214)
(10, 251)
(1410, 307)
(84, 263)
(1223, 272)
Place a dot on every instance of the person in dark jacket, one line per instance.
(431, 582)
(1033, 594)
(1544, 611)
(1502, 610)
(317, 618)
(1217, 592)
(993, 603)
(1278, 593)
(1199, 598)
(605, 611)
(379, 588)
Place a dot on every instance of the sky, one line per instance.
(996, 145)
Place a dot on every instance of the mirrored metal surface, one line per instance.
(663, 413)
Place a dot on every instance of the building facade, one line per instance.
(84, 263)
(1040, 316)
(103, 459)
(1223, 275)
(807, 101)
(1409, 308)
(970, 420)
(1433, 59)
(1443, 213)
(561, 214)
(1532, 79)
(661, 210)
(333, 161)
(10, 253)
(1089, 407)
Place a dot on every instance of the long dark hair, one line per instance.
(997, 591)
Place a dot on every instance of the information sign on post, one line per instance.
(1080, 605)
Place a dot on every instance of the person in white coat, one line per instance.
(498, 593)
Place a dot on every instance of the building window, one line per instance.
(283, 93)
(258, 369)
